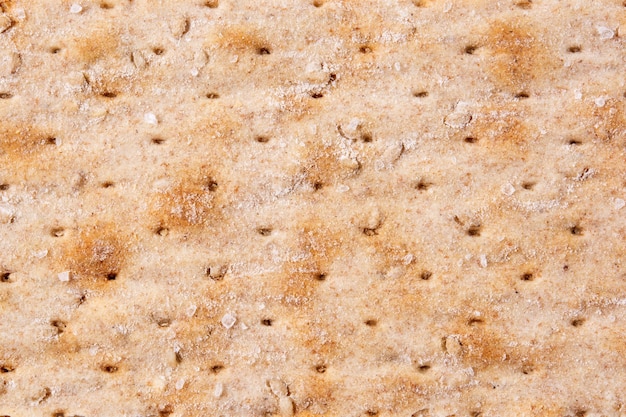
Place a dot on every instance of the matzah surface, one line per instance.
(342, 208)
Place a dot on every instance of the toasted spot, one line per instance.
(519, 58)
(95, 255)
(240, 38)
(101, 43)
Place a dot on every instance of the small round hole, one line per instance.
(420, 94)
(212, 96)
(320, 369)
(577, 322)
(316, 95)
(369, 231)
(574, 49)
(318, 3)
(263, 51)
(217, 368)
(55, 50)
(162, 231)
(111, 276)
(107, 184)
(426, 275)
(424, 368)
(371, 322)
(6, 277)
(106, 6)
(528, 185)
(264, 231)
(163, 322)
(109, 368)
(51, 140)
(59, 325)
(58, 413)
(267, 322)
(527, 4)
(5, 368)
(158, 51)
(522, 95)
(474, 321)
(57, 232)
(109, 94)
(317, 185)
(528, 276)
(371, 412)
(212, 4)
(5, 96)
(320, 276)
(4, 186)
(470, 139)
(474, 231)
(211, 186)
(157, 141)
(366, 137)
(576, 230)
(574, 142)
(423, 185)
(262, 139)
(470, 49)
(365, 49)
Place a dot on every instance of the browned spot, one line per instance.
(519, 58)
(193, 200)
(322, 165)
(94, 254)
(21, 148)
(101, 43)
(240, 38)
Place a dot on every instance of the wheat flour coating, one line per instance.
(341, 208)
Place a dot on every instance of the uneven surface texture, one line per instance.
(310, 207)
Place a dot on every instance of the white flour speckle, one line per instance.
(619, 203)
(150, 118)
(76, 8)
(228, 320)
(64, 276)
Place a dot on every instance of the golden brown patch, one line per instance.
(520, 60)
(241, 39)
(101, 43)
(95, 255)
(193, 200)
(322, 165)
(21, 146)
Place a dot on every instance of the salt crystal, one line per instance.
(312, 66)
(619, 203)
(458, 119)
(228, 320)
(353, 125)
(194, 72)
(93, 350)
(191, 310)
(507, 189)
(407, 259)
(483, 260)
(605, 32)
(600, 101)
(76, 8)
(234, 59)
(150, 118)
(64, 276)
(40, 254)
(342, 188)
(180, 384)
(20, 14)
(578, 95)
(243, 326)
(447, 7)
(397, 66)
(218, 390)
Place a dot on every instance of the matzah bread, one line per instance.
(338, 208)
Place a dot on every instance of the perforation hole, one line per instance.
(51, 140)
(474, 230)
(470, 139)
(320, 276)
(216, 369)
(424, 368)
(316, 95)
(371, 412)
(211, 185)
(107, 184)
(371, 322)
(267, 322)
(4, 186)
(320, 369)
(420, 94)
(106, 6)
(162, 231)
(109, 94)
(366, 137)
(158, 50)
(57, 232)
(157, 141)
(423, 185)
(426, 275)
(55, 50)
(6, 277)
(108, 368)
(262, 139)
(575, 142)
(574, 49)
(59, 325)
(527, 276)
(577, 322)
(263, 50)
(111, 276)
(212, 96)
(576, 230)
(58, 413)
(317, 185)
(528, 185)
(525, 5)
(5, 368)
(522, 95)
(5, 96)
(365, 49)
(470, 49)
(212, 4)
(264, 231)
(475, 321)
